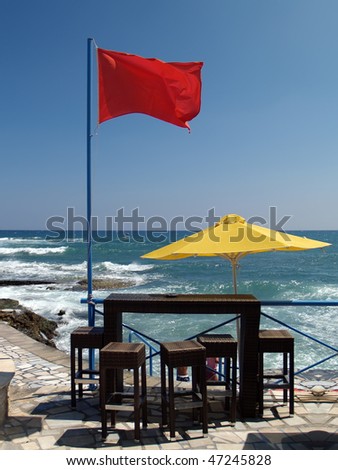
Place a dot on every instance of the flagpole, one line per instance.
(91, 305)
(91, 309)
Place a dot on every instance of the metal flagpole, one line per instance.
(91, 314)
(91, 306)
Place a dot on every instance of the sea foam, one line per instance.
(33, 251)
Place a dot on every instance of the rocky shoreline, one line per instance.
(28, 322)
(32, 324)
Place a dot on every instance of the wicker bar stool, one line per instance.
(179, 354)
(84, 337)
(116, 356)
(224, 346)
(276, 341)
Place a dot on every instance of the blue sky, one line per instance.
(266, 135)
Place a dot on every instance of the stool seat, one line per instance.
(123, 355)
(83, 337)
(116, 356)
(88, 336)
(276, 341)
(224, 346)
(183, 354)
(177, 353)
(218, 344)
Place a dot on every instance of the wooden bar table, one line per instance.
(247, 306)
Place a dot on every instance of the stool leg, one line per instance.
(292, 383)
(196, 387)
(260, 382)
(203, 385)
(144, 395)
(80, 365)
(137, 403)
(285, 373)
(103, 402)
(228, 381)
(233, 389)
(112, 375)
(72, 376)
(163, 394)
(171, 402)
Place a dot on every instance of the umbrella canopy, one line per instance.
(232, 238)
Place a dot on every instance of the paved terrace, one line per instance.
(40, 415)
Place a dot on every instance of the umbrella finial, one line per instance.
(231, 219)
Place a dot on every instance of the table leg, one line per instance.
(248, 365)
(113, 332)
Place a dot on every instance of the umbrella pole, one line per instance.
(234, 264)
(234, 274)
(238, 325)
(234, 278)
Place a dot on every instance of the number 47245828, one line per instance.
(241, 460)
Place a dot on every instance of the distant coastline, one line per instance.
(80, 285)
(25, 282)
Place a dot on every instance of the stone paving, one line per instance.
(41, 417)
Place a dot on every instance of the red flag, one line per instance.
(170, 91)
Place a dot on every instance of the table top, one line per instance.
(188, 297)
(219, 302)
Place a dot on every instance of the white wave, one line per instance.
(327, 292)
(14, 269)
(132, 272)
(72, 268)
(32, 251)
(15, 241)
(65, 273)
(115, 267)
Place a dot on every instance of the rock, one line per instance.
(104, 284)
(61, 313)
(28, 322)
(9, 304)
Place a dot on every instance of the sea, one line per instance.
(37, 256)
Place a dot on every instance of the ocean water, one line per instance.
(307, 275)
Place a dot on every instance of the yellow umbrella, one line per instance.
(232, 238)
